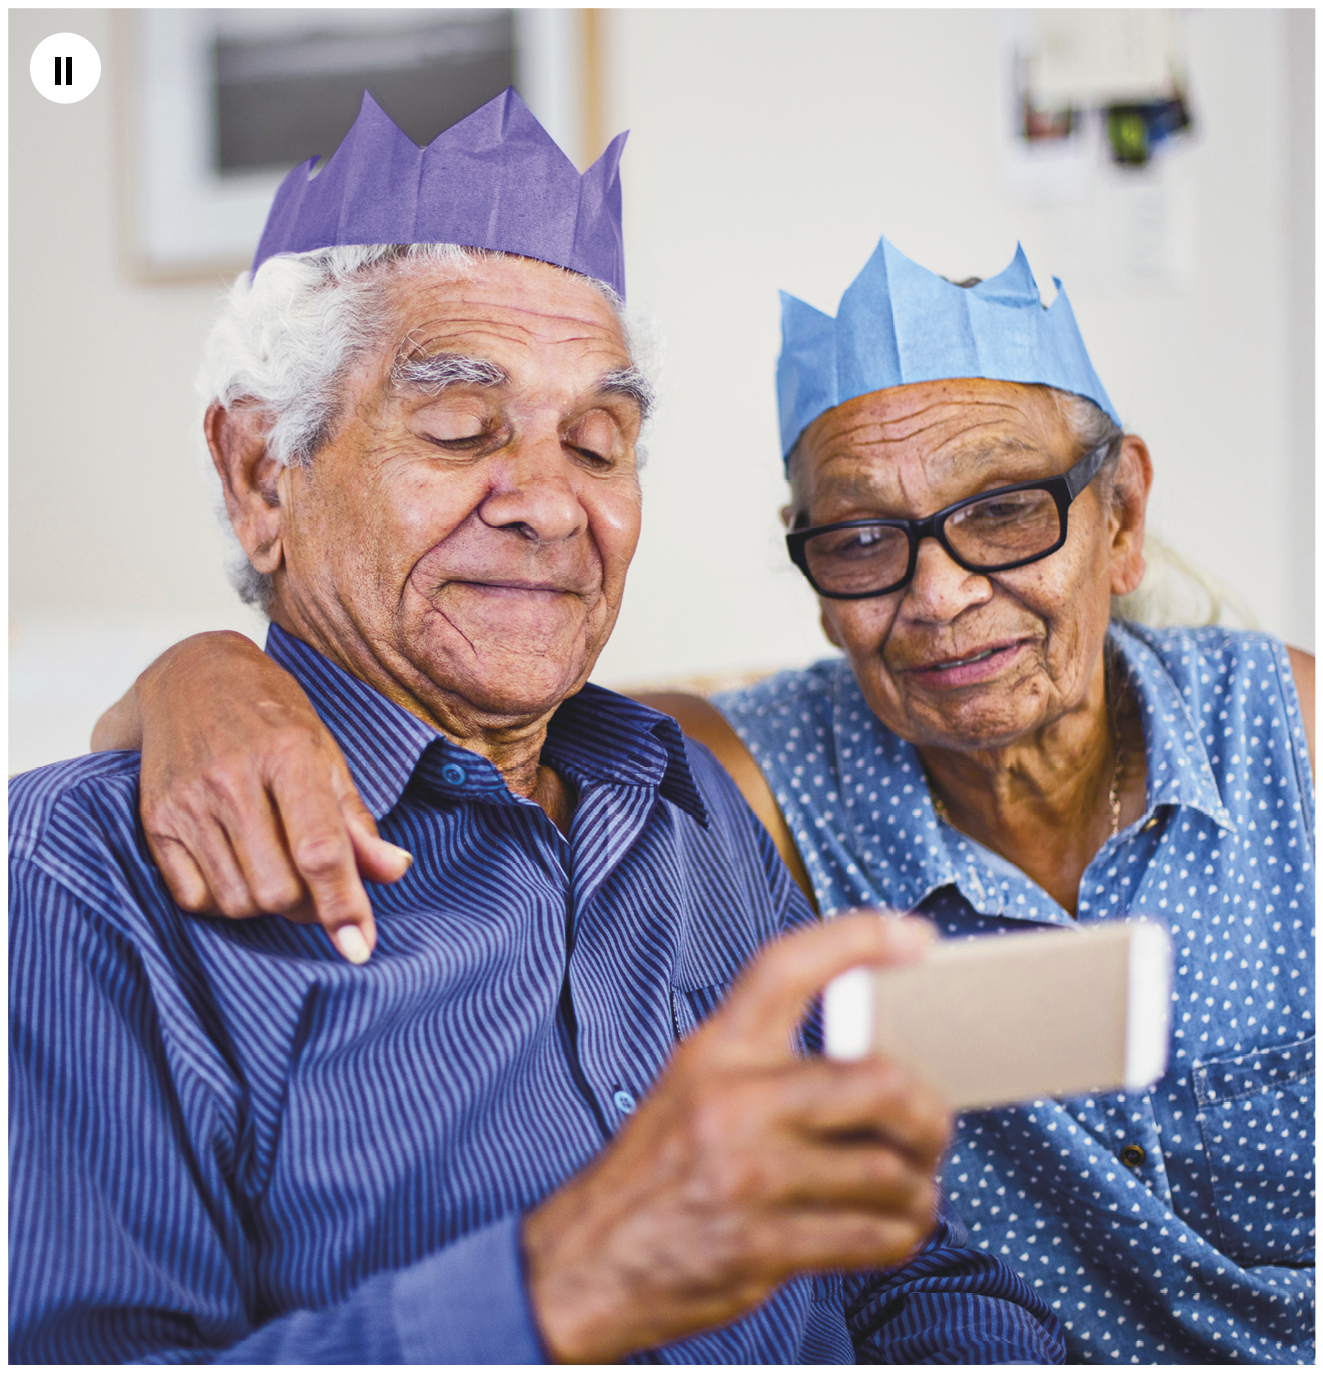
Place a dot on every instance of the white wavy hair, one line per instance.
(286, 340)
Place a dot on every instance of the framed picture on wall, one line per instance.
(217, 105)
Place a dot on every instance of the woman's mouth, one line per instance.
(968, 668)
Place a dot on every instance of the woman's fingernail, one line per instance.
(349, 940)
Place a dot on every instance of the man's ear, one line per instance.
(236, 438)
(1130, 488)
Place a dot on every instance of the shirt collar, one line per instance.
(596, 735)
(602, 735)
(896, 833)
(1179, 772)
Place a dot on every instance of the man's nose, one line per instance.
(535, 494)
(941, 588)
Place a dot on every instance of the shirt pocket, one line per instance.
(691, 1006)
(1256, 1114)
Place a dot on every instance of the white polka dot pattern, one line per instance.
(1175, 1225)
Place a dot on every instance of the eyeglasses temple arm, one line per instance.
(1087, 468)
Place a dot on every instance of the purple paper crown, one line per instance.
(495, 180)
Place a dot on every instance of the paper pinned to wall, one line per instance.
(1108, 226)
(1132, 231)
(1090, 57)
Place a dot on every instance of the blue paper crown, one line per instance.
(899, 323)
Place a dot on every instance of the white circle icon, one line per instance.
(65, 67)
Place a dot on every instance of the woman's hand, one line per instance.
(246, 801)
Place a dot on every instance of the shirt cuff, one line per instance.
(468, 1304)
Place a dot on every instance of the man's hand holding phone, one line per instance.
(746, 1164)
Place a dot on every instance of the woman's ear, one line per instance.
(1129, 502)
(236, 439)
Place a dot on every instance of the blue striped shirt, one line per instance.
(229, 1144)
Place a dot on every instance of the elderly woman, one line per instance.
(993, 751)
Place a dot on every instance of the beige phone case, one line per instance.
(1006, 1018)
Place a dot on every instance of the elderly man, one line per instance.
(485, 1144)
(996, 751)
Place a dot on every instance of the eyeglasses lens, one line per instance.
(1005, 528)
(857, 561)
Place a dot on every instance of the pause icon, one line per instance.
(52, 68)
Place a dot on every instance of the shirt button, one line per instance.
(1132, 1155)
(454, 774)
(625, 1103)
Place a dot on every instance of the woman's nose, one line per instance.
(941, 588)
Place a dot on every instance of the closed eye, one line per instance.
(485, 438)
(470, 441)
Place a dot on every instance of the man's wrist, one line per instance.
(553, 1309)
(571, 1296)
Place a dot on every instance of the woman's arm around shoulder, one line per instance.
(246, 801)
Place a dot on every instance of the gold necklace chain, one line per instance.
(1113, 793)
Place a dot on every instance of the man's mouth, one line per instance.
(503, 587)
(492, 585)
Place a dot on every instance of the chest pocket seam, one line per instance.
(1213, 1114)
(1260, 1081)
(691, 1006)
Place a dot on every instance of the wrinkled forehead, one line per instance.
(944, 428)
(516, 311)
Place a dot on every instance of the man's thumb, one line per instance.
(768, 1002)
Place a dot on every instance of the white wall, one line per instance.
(769, 149)
(113, 550)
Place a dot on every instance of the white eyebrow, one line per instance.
(434, 374)
(630, 382)
(441, 370)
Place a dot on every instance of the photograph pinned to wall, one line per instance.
(1095, 112)
(218, 105)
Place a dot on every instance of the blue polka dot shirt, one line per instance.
(1167, 1226)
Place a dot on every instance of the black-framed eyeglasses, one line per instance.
(994, 531)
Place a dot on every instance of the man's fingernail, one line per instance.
(404, 853)
(349, 940)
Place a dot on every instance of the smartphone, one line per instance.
(999, 1019)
